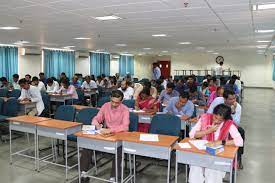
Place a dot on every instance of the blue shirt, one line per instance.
(156, 73)
(187, 109)
(164, 97)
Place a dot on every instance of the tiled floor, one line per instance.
(258, 119)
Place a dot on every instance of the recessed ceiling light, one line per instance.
(68, 46)
(121, 45)
(200, 48)
(147, 48)
(159, 35)
(261, 46)
(185, 43)
(109, 17)
(21, 42)
(263, 6)
(140, 54)
(272, 46)
(215, 53)
(210, 51)
(164, 51)
(263, 41)
(82, 38)
(265, 31)
(9, 28)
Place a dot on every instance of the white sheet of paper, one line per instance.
(184, 145)
(149, 137)
(137, 111)
(88, 127)
(199, 144)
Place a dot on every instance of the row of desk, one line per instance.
(128, 141)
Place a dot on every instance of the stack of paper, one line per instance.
(184, 145)
(137, 111)
(199, 144)
(88, 129)
(149, 137)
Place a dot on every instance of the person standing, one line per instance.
(156, 71)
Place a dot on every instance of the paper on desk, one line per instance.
(138, 111)
(184, 145)
(149, 138)
(88, 129)
(199, 144)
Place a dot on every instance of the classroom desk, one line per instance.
(143, 117)
(133, 146)
(57, 97)
(89, 93)
(97, 143)
(222, 162)
(56, 129)
(25, 106)
(25, 124)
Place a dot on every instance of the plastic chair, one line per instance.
(47, 103)
(2, 117)
(81, 97)
(15, 93)
(85, 116)
(3, 92)
(129, 103)
(133, 127)
(9, 109)
(65, 112)
(102, 101)
(165, 124)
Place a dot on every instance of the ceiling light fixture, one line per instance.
(147, 48)
(82, 38)
(261, 46)
(185, 43)
(9, 28)
(159, 35)
(210, 51)
(265, 31)
(263, 41)
(263, 6)
(216, 53)
(121, 45)
(21, 42)
(164, 51)
(108, 17)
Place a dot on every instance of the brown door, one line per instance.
(165, 67)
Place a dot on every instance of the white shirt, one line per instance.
(34, 95)
(238, 83)
(54, 88)
(41, 86)
(220, 100)
(91, 85)
(16, 86)
(128, 93)
(219, 70)
(164, 84)
(156, 73)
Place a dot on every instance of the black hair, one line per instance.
(49, 80)
(41, 74)
(34, 78)
(158, 82)
(15, 76)
(184, 95)
(117, 94)
(63, 73)
(22, 81)
(145, 91)
(28, 75)
(93, 77)
(234, 77)
(161, 77)
(170, 85)
(224, 111)
(226, 93)
(4, 79)
(190, 77)
(205, 84)
(103, 75)
(193, 89)
(65, 81)
(54, 78)
(232, 81)
(221, 63)
(147, 84)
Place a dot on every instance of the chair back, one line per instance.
(11, 107)
(102, 101)
(85, 116)
(3, 93)
(133, 127)
(65, 112)
(15, 93)
(129, 103)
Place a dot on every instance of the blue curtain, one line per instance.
(273, 72)
(126, 65)
(8, 61)
(100, 63)
(56, 61)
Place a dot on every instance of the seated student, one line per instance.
(205, 90)
(66, 88)
(127, 90)
(232, 86)
(28, 78)
(115, 116)
(180, 105)
(229, 99)
(146, 84)
(168, 93)
(212, 85)
(89, 84)
(196, 96)
(42, 78)
(98, 80)
(163, 81)
(4, 83)
(75, 82)
(207, 78)
(14, 84)
(52, 85)
(159, 87)
(215, 94)
(180, 86)
(62, 76)
(39, 84)
(148, 104)
(218, 128)
(31, 93)
(238, 83)
(190, 82)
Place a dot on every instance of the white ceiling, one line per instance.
(218, 25)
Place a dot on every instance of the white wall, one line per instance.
(82, 65)
(29, 64)
(114, 67)
(143, 66)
